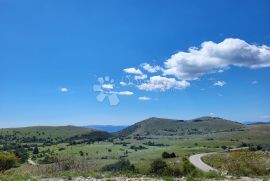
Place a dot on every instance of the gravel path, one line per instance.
(197, 162)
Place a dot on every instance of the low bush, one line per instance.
(189, 169)
(120, 166)
(160, 167)
(168, 155)
(7, 160)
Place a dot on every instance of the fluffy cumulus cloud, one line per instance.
(210, 57)
(149, 68)
(163, 83)
(133, 71)
(219, 83)
(144, 98)
(213, 57)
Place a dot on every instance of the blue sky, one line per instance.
(53, 52)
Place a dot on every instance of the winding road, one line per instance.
(197, 161)
(31, 162)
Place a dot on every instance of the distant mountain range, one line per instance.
(107, 128)
(257, 123)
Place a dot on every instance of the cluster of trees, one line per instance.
(15, 137)
(158, 167)
(168, 155)
(140, 147)
(90, 138)
(255, 147)
(161, 168)
(151, 143)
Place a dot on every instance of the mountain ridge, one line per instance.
(169, 127)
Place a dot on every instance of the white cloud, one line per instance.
(133, 71)
(127, 93)
(149, 68)
(64, 89)
(140, 77)
(144, 98)
(219, 83)
(220, 71)
(163, 83)
(266, 116)
(126, 83)
(107, 86)
(123, 83)
(211, 57)
(211, 113)
(254, 82)
(220, 95)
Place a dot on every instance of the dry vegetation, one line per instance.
(241, 163)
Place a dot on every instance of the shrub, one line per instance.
(7, 160)
(81, 153)
(241, 163)
(120, 166)
(224, 147)
(188, 168)
(168, 155)
(158, 167)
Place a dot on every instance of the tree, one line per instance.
(224, 147)
(35, 151)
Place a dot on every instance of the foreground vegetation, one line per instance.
(241, 163)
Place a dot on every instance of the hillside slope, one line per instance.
(170, 127)
(42, 133)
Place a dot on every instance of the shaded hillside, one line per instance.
(42, 133)
(170, 127)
